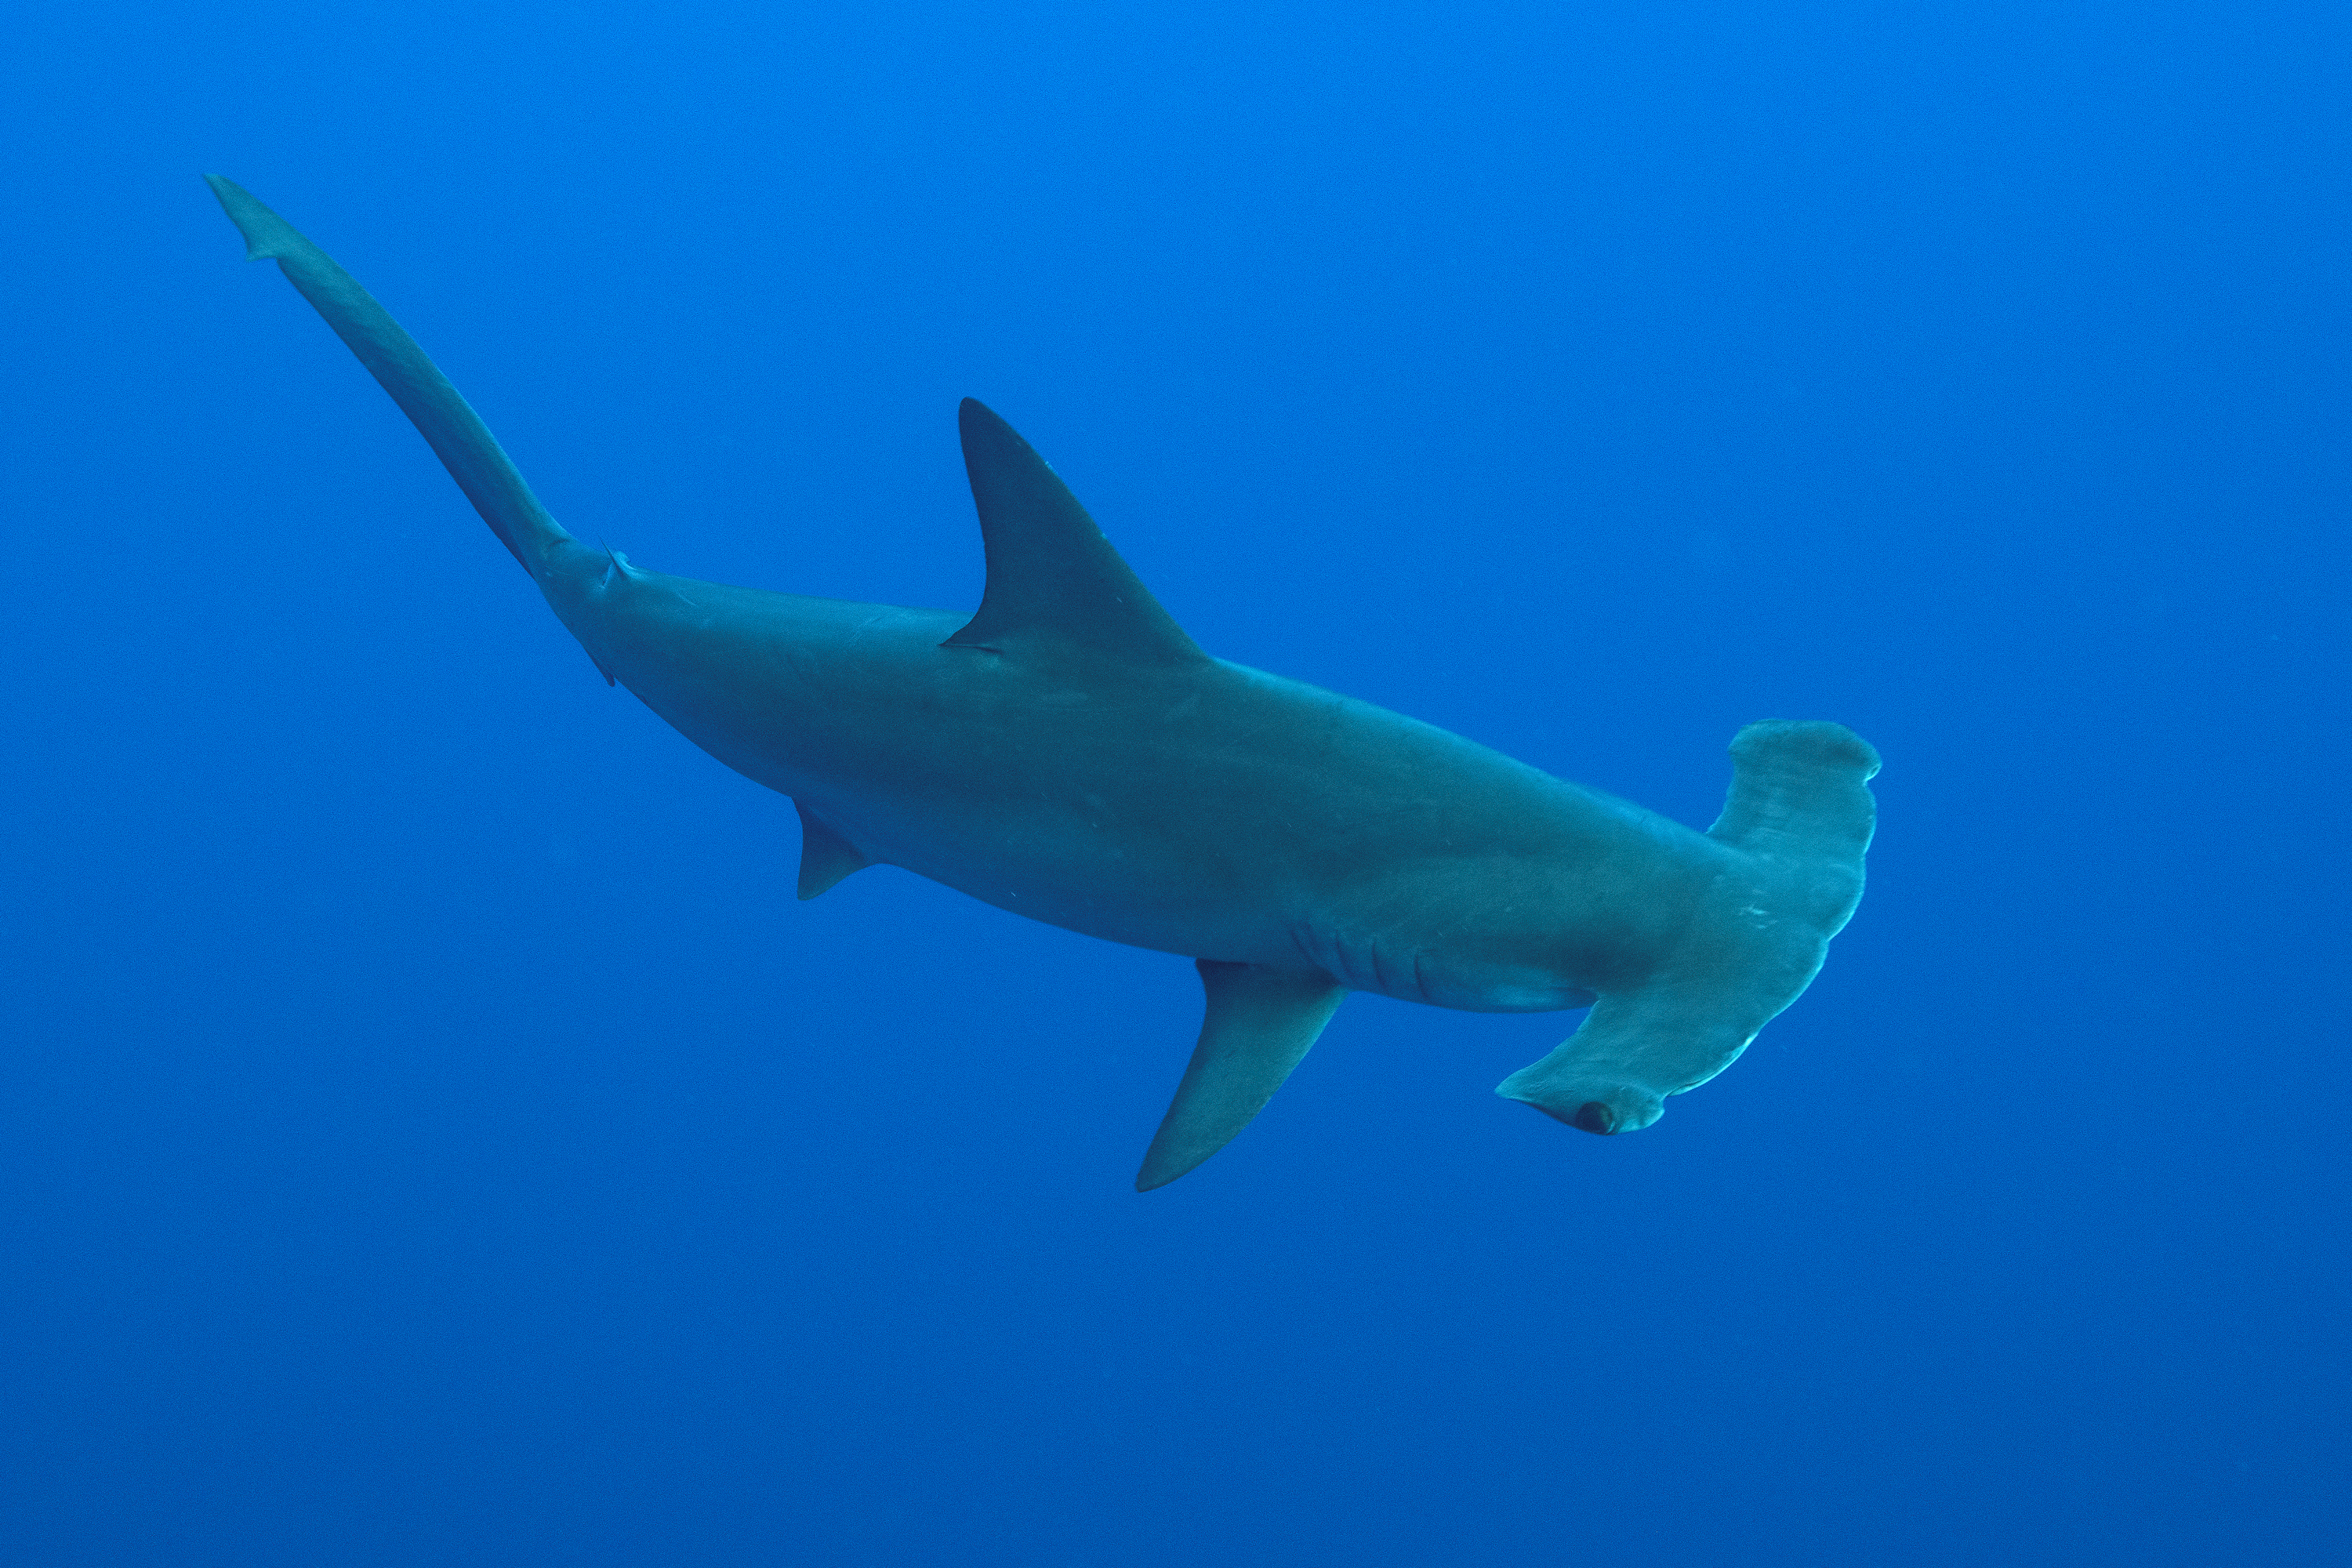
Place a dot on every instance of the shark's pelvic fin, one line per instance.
(464, 445)
(1053, 578)
(1260, 1023)
(826, 856)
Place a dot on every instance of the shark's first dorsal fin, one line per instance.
(826, 856)
(1053, 578)
(1260, 1023)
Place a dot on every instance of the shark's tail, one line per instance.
(456, 432)
(1796, 824)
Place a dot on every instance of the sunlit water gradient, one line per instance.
(430, 1131)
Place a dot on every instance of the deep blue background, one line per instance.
(431, 1133)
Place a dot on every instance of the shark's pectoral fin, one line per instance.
(1260, 1023)
(1053, 578)
(826, 856)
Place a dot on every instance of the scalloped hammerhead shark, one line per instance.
(1069, 754)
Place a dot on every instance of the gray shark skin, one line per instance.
(1069, 754)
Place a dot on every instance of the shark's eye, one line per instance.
(1594, 1117)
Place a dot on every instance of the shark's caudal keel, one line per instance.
(1068, 753)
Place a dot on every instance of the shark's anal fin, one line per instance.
(1053, 578)
(1260, 1023)
(826, 856)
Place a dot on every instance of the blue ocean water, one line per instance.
(431, 1131)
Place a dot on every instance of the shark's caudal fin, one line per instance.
(456, 432)
(1053, 578)
(1260, 1023)
(1798, 819)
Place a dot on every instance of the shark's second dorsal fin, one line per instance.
(1053, 578)
(826, 856)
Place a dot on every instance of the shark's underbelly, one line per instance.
(1393, 945)
(1215, 812)
(1231, 816)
